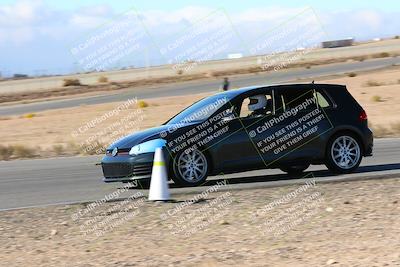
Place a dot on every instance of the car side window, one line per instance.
(292, 98)
(245, 112)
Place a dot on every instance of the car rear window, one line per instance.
(322, 99)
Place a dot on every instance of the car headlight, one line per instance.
(147, 147)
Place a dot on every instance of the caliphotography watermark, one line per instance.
(104, 215)
(289, 42)
(96, 134)
(208, 131)
(196, 214)
(300, 121)
(107, 115)
(292, 209)
(111, 43)
(197, 115)
(209, 38)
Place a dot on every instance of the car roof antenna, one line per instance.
(312, 82)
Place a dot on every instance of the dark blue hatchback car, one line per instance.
(278, 126)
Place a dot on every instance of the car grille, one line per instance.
(125, 170)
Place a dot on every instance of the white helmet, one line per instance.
(257, 102)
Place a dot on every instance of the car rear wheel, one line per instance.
(190, 169)
(294, 170)
(343, 154)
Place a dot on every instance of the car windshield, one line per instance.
(200, 110)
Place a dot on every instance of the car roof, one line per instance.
(247, 89)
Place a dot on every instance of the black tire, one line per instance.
(198, 176)
(294, 170)
(351, 151)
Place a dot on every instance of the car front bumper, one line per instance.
(125, 168)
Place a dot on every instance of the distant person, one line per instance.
(225, 84)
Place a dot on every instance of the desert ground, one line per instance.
(66, 131)
(340, 224)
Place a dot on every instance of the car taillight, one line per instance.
(363, 116)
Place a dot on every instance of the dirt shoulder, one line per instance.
(341, 224)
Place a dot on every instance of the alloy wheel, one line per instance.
(192, 166)
(345, 152)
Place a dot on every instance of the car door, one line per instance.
(274, 135)
(258, 128)
(301, 123)
(241, 152)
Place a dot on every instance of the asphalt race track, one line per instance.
(203, 86)
(26, 183)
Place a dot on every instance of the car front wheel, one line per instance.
(190, 169)
(343, 154)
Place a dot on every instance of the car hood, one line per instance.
(138, 137)
(143, 136)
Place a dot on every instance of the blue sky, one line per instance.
(121, 5)
(36, 36)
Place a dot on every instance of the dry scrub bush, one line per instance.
(376, 98)
(372, 83)
(102, 79)
(71, 82)
(6, 152)
(23, 152)
(352, 74)
(142, 104)
(29, 115)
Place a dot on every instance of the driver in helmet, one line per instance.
(258, 106)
